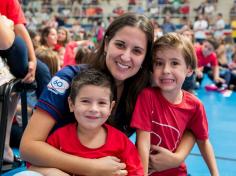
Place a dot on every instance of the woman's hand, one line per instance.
(109, 166)
(162, 159)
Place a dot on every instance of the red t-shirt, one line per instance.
(69, 56)
(12, 10)
(204, 61)
(117, 144)
(167, 122)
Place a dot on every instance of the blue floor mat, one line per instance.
(221, 112)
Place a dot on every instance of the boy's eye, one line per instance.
(85, 101)
(157, 63)
(175, 63)
(102, 103)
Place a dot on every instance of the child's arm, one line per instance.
(216, 74)
(165, 159)
(186, 144)
(143, 144)
(207, 152)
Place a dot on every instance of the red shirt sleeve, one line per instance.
(69, 56)
(142, 115)
(198, 123)
(14, 12)
(128, 154)
(214, 60)
(133, 161)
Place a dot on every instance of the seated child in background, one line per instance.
(49, 57)
(91, 101)
(207, 62)
(163, 113)
(82, 55)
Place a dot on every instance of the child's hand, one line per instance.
(161, 159)
(109, 166)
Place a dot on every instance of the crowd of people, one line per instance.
(89, 84)
(207, 24)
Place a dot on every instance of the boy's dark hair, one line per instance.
(91, 76)
(213, 42)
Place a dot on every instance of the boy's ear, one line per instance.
(113, 104)
(71, 105)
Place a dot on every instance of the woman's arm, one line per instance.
(165, 159)
(34, 149)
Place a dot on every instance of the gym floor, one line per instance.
(221, 113)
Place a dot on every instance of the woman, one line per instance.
(125, 54)
(63, 36)
(49, 38)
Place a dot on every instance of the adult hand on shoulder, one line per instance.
(162, 159)
(30, 77)
(109, 166)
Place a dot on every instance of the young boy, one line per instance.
(91, 101)
(164, 112)
(206, 56)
